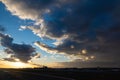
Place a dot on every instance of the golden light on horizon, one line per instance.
(22, 65)
(19, 65)
(7, 64)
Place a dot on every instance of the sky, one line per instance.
(60, 33)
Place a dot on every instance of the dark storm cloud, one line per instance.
(21, 51)
(93, 25)
(90, 24)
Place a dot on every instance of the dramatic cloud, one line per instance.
(22, 52)
(75, 25)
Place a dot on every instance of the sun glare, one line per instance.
(6, 64)
(19, 64)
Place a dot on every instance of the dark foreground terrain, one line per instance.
(60, 74)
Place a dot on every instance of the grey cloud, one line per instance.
(9, 59)
(90, 25)
(20, 51)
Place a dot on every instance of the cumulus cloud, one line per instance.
(27, 9)
(23, 52)
(93, 25)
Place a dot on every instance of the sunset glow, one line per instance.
(6, 64)
(19, 64)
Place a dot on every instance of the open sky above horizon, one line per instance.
(59, 33)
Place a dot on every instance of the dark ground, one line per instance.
(60, 74)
